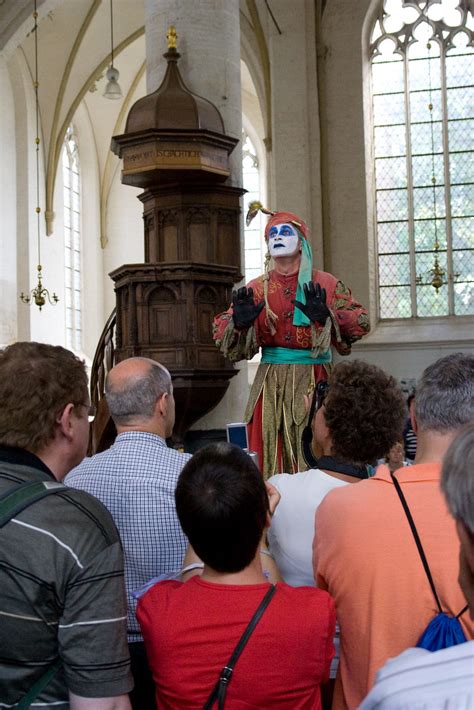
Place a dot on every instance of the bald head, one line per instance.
(133, 388)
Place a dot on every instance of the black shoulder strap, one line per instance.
(417, 540)
(220, 688)
(19, 497)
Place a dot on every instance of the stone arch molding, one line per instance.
(254, 51)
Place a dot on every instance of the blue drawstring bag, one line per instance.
(443, 631)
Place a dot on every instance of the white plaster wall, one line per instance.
(125, 243)
(8, 222)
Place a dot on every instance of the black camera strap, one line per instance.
(220, 689)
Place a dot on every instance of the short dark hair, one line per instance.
(364, 411)
(457, 477)
(222, 504)
(444, 398)
(137, 396)
(36, 382)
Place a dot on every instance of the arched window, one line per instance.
(422, 55)
(253, 233)
(72, 241)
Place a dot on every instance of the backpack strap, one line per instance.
(220, 689)
(17, 498)
(39, 686)
(13, 502)
(417, 540)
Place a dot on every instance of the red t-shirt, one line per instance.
(191, 629)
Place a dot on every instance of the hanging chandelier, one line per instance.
(112, 89)
(437, 275)
(39, 295)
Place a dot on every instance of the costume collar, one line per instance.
(21, 457)
(418, 472)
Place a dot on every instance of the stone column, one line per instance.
(209, 44)
(295, 180)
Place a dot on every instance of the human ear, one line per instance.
(64, 421)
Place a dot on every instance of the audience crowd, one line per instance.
(100, 610)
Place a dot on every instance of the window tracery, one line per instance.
(422, 54)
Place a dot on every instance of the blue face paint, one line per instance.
(283, 240)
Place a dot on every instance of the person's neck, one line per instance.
(431, 446)
(287, 265)
(148, 427)
(252, 574)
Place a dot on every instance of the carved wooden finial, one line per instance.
(172, 37)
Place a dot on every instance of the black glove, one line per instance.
(315, 307)
(245, 310)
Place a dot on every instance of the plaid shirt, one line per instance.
(136, 479)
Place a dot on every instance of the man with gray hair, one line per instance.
(365, 553)
(136, 479)
(441, 680)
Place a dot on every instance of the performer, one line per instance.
(294, 313)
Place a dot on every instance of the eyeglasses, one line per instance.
(91, 411)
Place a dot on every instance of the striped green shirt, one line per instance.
(61, 593)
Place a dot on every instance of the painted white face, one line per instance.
(283, 240)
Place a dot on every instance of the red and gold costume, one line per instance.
(294, 359)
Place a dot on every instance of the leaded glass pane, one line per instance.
(389, 140)
(420, 102)
(392, 205)
(394, 269)
(422, 167)
(388, 77)
(426, 232)
(463, 264)
(389, 109)
(461, 167)
(463, 232)
(428, 202)
(421, 138)
(395, 302)
(252, 258)
(251, 274)
(419, 73)
(460, 103)
(393, 237)
(252, 239)
(462, 200)
(461, 135)
(459, 69)
(430, 302)
(464, 299)
(391, 172)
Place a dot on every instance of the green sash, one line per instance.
(292, 356)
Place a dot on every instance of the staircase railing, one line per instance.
(104, 359)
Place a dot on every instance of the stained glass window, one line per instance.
(254, 250)
(422, 61)
(72, 241)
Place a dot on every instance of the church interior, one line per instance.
(357, 116)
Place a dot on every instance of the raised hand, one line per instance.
(245, 310)
(315, 307)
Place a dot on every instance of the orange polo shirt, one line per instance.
(365, 555)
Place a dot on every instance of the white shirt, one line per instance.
(292, 530)
(421, 680)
